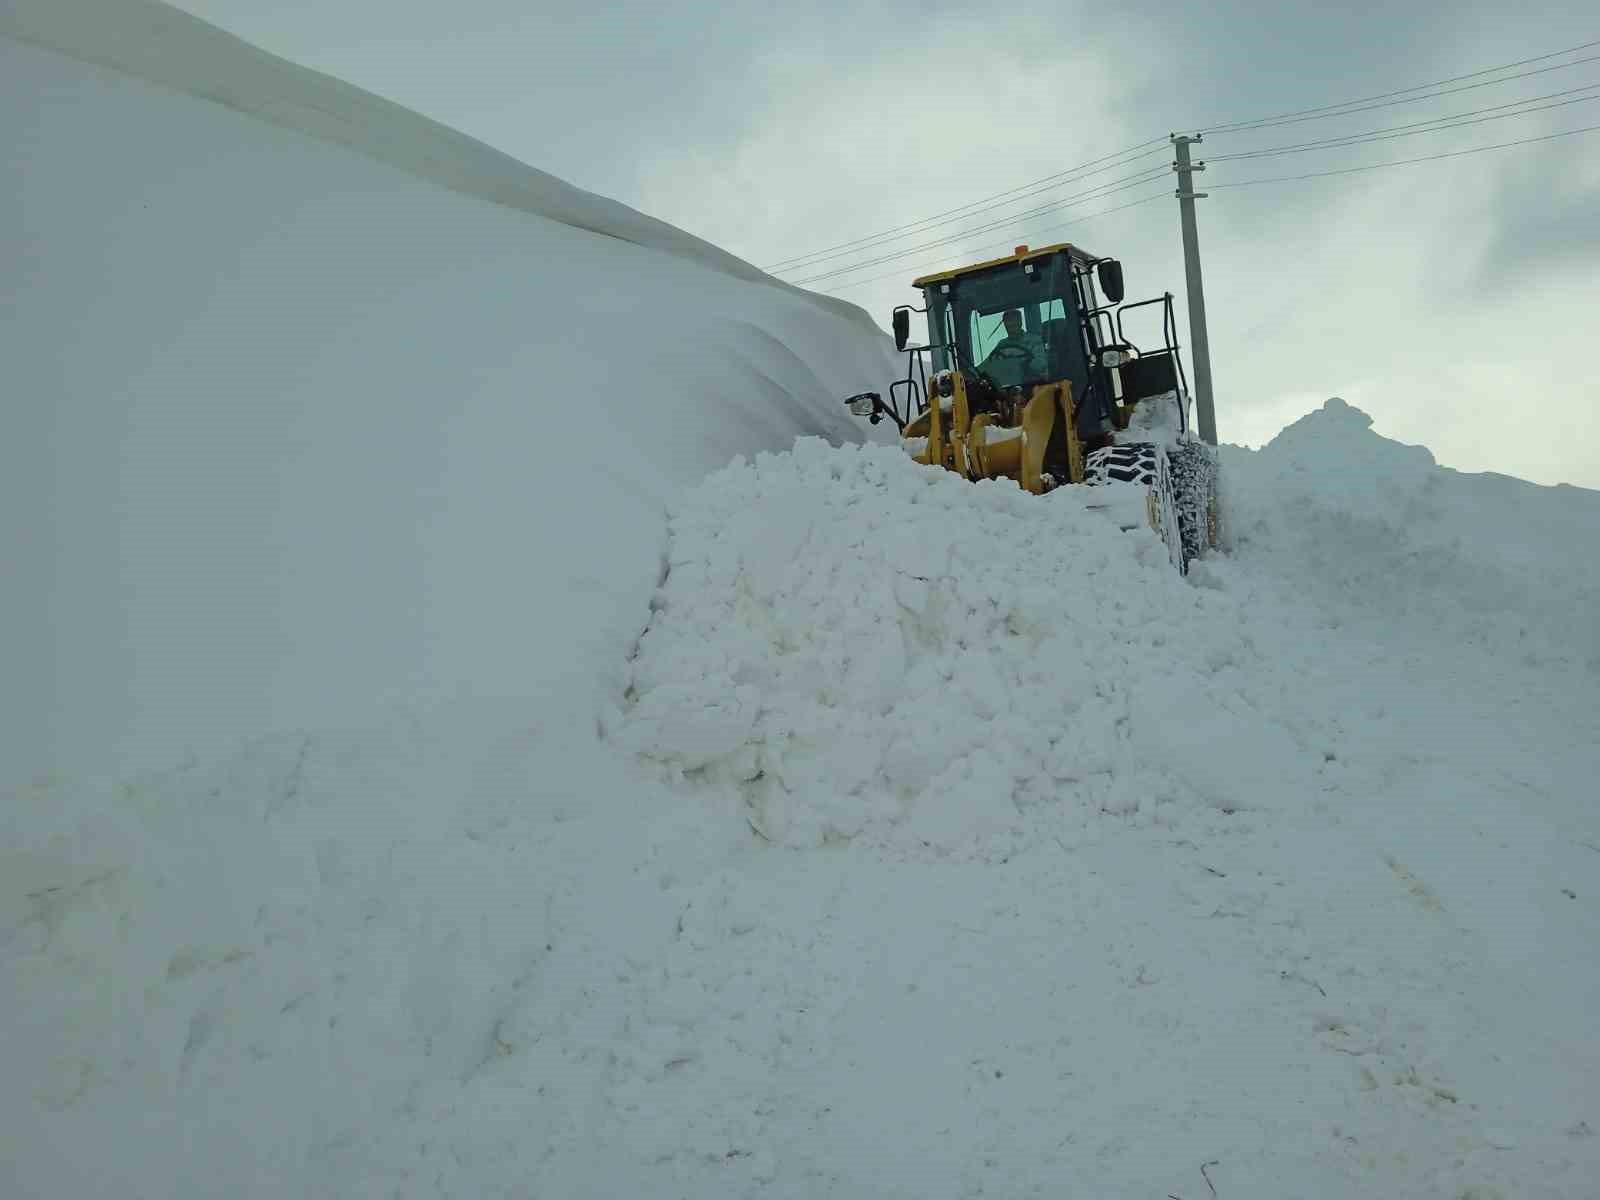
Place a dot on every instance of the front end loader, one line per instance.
(1027, 375)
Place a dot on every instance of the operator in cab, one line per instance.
(1019, 355)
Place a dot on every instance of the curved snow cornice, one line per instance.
(160, 44)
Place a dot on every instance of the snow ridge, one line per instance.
(156, 42)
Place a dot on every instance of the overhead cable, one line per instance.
(1137, 151)
(999, 246)
(1400, 162)
(1131, 181)
(930, 224)
(1131, 154)
(1434, 125)
(1384, 99)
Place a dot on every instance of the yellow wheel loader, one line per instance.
(1027, 375)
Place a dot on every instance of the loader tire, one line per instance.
(1144, 464)
(1194, 487)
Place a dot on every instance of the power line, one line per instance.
(1437, 125)
(1466, 87)
(1400, 162)
(1327, 110)
(1141, 150)
(1092, 194)
(998, 246)
(930, 225)
(1044, 184)
(1043, 180)
(1148, 176)
(855, 283)
(1144, 149)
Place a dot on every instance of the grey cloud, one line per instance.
(1547, 216)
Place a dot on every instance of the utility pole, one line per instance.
(1197, 293)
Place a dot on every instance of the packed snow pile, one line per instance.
(868, 648)
(1309, 878)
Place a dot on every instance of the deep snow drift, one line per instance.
(865, 833)
(278, 439)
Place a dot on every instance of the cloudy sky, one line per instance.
(1454, 300)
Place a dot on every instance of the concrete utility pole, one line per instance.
(1197, 293)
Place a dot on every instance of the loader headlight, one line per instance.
(1112, 358)
(864, 404)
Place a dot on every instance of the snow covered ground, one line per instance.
(862, 831)
(1235, 871)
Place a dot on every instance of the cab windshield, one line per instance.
(1016, 324)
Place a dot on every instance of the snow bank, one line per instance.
(1379, 532)
(160, 44)
(331, 498)
(292, 434)
(871, 649)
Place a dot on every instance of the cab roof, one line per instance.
(1080, 257)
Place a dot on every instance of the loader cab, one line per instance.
(1053, 290)
(1068, 326)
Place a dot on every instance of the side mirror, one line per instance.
(1110, 272)
(864, 404)
(902, 327)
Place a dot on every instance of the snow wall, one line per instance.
(291, 430)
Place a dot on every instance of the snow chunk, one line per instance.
(1159, 419)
